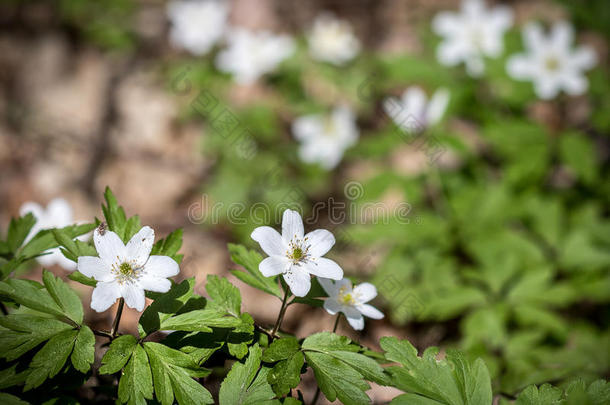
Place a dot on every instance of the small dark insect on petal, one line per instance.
(101, 229)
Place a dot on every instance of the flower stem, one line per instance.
(117, 319)
(281, 314)
(336, 322)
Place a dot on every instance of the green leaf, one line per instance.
(173, 373)
(18, 230)
(135, 385)
(286, 374)
(24, 332)
(117, 220)
(452, 381)
(50, 359)
(32, 295)
(8, 399)
(165, 305)
(169, 246)
(64, 296)
(202, 320)
(579, 154)
(281, 349)
(245, 384)
(118, 354)
(224, 295)
(250, 260)
(81, 278)
(338, 380)
(45, 239)
(84, 350)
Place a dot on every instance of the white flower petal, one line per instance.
(320, 241)
(365, 292)
(546, 87)
(329, 286)
(534, 37)
(437, 106)
(109, 247)
(274, 265)
(95, 267)
(332, 306)
(292, 226)
(521, 67)
(104, 295)
(161, 266)
(31, 207)
(450, 52)
(370, 311)
(562, 35)
(270, 240)
(298, 280)
(139, 246)
(134, 296)
(354, 317)
(326, 268)
(156, 284)
(575, 84)
(59, 212)
(446, 23)
(583, 58)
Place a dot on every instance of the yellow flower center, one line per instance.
(126, 269)
(346, 298)
(552, 63)
(297, 253)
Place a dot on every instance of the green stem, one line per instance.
(337, 322)
(280, 317)
(117, 319)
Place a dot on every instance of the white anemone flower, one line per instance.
(252, 54)
(332, 40)
(352, 302)
(296, 256)
(324, 139)
(413, 112)
(550, 62)
(471, 34)
(57, 214)
(126, 270)
(197, 25)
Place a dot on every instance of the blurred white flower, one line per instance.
(352, 302)
(471, 34)
(58, 214)
(332, 40)
(295, 255)
(126, 270)
(413, 112)
(197, 25)
(550, 62)
(252, 54)
(324, 139)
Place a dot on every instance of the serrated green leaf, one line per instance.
(250, 260)
(8, 399)
(81, 278)
(18, 230)
(286, 374)
(224, 295)
(169, 246)
(30, 295)
(281, 349)
(135, 385)
(83, 354)
(45, 239)
(24, 332)
(118, 354)
(64, 296)
(173, 373)
(202, 320)
(245, 384)
(50, 359)
(337, 380)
